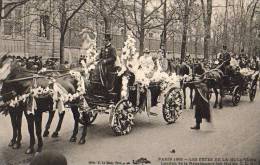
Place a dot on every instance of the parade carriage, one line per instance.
(129, 94)
(243, 83)
(128, 99)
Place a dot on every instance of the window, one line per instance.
(13, 22)
(122, 30)
(150, 35)
(8, 8)
(18, 28)
(8, 27)
(44, 26)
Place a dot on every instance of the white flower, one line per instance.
(46, 90)
(75, 95)
(39, 90)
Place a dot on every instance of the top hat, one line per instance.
(108, 37)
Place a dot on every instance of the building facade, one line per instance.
(27, 34)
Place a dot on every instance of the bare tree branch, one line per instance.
(14, 5)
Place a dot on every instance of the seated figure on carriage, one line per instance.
(253, 64)
(243, 59)
(102, 76)
(106, 62)
(224, 57)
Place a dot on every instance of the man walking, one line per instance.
(202, 106)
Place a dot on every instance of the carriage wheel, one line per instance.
(236, 96)
(92, 116)
(252, 92)
(121, 118)
(172, 105)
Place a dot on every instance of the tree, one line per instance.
(185, 7)
(8, 7)
(106, 9)
(167, 19)
(239, 27)
(140, 17)
(206, 12)
(251, 28)
(63, 12)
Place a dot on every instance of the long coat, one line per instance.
(201, 102)
(107, 59)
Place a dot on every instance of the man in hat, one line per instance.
(107, 59)
(243, 59)
(225, 56)
(201, 102)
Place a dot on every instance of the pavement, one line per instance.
(233, 138)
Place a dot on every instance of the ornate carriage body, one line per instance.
(239, 84)
(128, 98)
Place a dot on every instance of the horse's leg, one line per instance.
(84, 132)
(14, 126)
(216, 97)
(30, 123)
(38, 127)
(19, 118)
(191, 98)
(76, 116)
(48, 124)
(184, 97)
(221, 96)
(56, 132)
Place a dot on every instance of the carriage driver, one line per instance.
(107, 58)
(225, 56)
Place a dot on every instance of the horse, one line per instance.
(15, 71)
(216, 78)
(193, 70)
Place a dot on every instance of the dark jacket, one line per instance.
(107, 59)
(201, 102)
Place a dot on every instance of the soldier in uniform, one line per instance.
(107, 59)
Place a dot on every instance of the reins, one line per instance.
(36, 76)
(24, 78)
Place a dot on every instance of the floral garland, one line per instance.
(144, 75)
(88, 50)
(58, 93)
(128, 56)
(234, 63)
(124, 90)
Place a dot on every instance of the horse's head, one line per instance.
(6, 65)
(198, 69)
(184, 69)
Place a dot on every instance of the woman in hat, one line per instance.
(147, 64)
